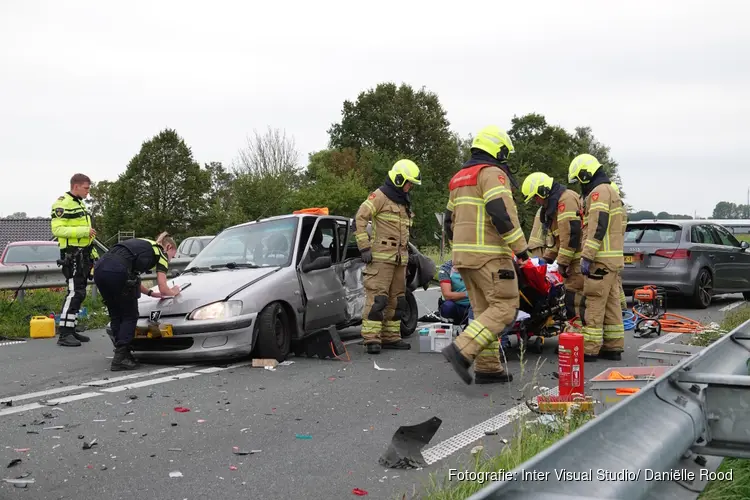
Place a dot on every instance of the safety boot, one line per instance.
(590, 357)
(373, 348)
(610, 355)
(492, 378)
(132, 357)
(460, 364)
(80, 337)
(68, 339)
(397, 345)
(122, 360)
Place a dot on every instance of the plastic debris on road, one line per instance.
(175, 474)
(303, 436)
(180, 409)
(384, 369)
(405, 449)
(359, 492)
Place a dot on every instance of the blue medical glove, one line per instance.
(585, 266)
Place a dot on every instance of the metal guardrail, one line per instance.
(680, 426)
(28, 277)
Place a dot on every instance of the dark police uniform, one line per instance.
(117, 276)
(71, 225)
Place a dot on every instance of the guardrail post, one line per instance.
(20, 295)
(93, 292)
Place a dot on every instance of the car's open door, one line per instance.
(324, 295)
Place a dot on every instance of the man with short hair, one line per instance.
(71, 225)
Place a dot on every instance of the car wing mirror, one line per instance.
(323, 262)
(744, 245)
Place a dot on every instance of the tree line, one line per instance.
(164, 187)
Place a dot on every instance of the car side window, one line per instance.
(701, 234)
(324, 241)
(725, 237)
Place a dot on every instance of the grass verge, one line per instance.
(15, 314)
(739, 487)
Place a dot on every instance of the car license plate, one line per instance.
(628, 259)
(144, 333)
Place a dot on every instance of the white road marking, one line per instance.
(660, 340)
(146, 383)
(12, 342)
(19, 409)
(462, 440)
(74, 397)
(41, 394)
(731, 306)
(104, 381)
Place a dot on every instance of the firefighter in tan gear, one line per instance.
(386, 256)
(539, 239)
(623, 299)
(481, 220)
(601, 260)
(561, 217)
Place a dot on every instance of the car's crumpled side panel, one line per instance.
(355, 289)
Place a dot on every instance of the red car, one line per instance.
(30, 252)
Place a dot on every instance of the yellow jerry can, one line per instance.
(42, 327)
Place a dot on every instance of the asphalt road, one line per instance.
(318, 427)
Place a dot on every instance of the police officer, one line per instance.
(71, 225)
(601, 260)
(481, 220)
(561, 215)
(386, 255)
(117, 275)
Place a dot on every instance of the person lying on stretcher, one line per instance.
(454, 304)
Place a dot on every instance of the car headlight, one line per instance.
(218, 310)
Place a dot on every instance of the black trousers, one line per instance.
(121, 299)
(76, 268)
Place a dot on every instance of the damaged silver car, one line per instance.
(268, 288)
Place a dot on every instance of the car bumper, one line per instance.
(674, 280)
(198, 340)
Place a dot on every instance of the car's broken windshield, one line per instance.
(259, 244)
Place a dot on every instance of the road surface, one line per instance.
(318, 427)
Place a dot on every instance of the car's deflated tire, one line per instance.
(274, 333)
(410, 316)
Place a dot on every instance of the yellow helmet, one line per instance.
(536, 184)
(495, 141)
(582, 168)
(403, 171)
(615, 187)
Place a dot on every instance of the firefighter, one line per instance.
(561, 217)
(481, 220)
(623, 298)
(117, 277)
(601, 260)
(386, 255)
(71, 225)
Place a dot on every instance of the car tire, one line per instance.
(410, 317)
(274, 333)
(704, 287)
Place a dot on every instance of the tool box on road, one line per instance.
(666, 354)
(435, 336)
(615, 384)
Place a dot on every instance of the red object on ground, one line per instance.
(570, 364)
(181, 409)
(359, 492)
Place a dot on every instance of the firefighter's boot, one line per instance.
(610, 355)
(460, 364)
(373, 348)
(492, 378)
(80, 337)
(122, 360)
(400, 344)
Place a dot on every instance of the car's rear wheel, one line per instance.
(409, 318)
(704, 289)
(274, 333)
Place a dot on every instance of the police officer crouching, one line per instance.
(117, 276)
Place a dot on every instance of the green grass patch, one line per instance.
(16, 313)
(732, 320)
(743, 237)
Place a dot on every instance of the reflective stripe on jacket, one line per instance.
(391, 223)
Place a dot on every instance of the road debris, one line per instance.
(181, 409)
(175, 474)
(54, 427)
(232, 467)
(359, 492)
(490, 433)
(405, 449)
(89, 445)
(14, 462)
(477, 449)
(303, 436)
(236, 450)
(384, 369)
(21, 450)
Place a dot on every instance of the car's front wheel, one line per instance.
(274, 333)
(410, 316)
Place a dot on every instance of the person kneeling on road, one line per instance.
(454, 304)
(117, 276)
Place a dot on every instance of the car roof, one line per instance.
(32, 242)
(289, 216)
(674, 222)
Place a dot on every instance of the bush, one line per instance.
(16, 313)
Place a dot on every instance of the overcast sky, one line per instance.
(664, 83)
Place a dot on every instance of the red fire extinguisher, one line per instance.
(570, 364)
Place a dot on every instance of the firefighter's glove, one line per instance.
(563, 270)
(542, 261)
(585, 267)
(366, 255)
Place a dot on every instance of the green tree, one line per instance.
(218, 199)
(392, 122)
(162, 188)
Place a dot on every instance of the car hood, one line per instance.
(205, 288)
